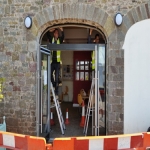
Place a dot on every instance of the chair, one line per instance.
(80, 100)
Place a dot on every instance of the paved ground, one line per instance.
(73, 128)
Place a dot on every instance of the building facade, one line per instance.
(19, 47)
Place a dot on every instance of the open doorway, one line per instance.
(75, 76)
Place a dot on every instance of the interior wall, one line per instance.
(67, 59)
(76, 35)
(137, 78)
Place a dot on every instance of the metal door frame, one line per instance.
(65, 47)
(39, 78)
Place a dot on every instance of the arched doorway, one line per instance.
(75, 34)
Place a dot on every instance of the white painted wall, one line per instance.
(137, 78)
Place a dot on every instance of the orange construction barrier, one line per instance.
(23, 142)
(63, 144)
(83, 115)
(67, 120)
(139, 141)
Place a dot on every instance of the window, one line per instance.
(83, 70)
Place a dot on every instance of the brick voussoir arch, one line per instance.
(78, 13)
(135, 15)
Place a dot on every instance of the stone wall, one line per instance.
(18, 48)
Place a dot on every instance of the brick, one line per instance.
(112, 36)
(65, 9)
(119, 92)
(56, 12)
(73, 9)
(106, 18)
(113, 69)
(134, 14)
(112, 117)
(123, 27)
(61, 11)
(109, 107)
(112, 132)
(147, 10)
(114, 100)
(89, 12)
(143, 12)
(38, 22)
(7, 9)
(12, 122)
(118, 77)
(112, 61)
(120, 35)
(131, 18)
(117, 108)
(109, 24)
(32, 67)
(122, 117)
(97, 15)
(127, 22)
(109, 125)
(82, 11)
(110, 77)
(118, 126)
(139, 13)
(119, 61)
(120, 85)
(101, 17)
(16, 88)
(21, 83)
(18, 113)
(10, 1)
(26, 88)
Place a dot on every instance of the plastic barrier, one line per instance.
(22, 142)
(3, 125)
(3, 128)
(140, 141)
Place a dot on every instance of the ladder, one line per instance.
(58, 109)
(59, 113)
(91, 108)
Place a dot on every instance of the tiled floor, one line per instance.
(73, 129)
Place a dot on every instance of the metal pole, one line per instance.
(98, 89)
(41, 102)
(49, 87)
(105, 86)
(95, 90)
(38, 91)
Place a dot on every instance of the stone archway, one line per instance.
(137, 14)
(81, 14)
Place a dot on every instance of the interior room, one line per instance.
(75, 78)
